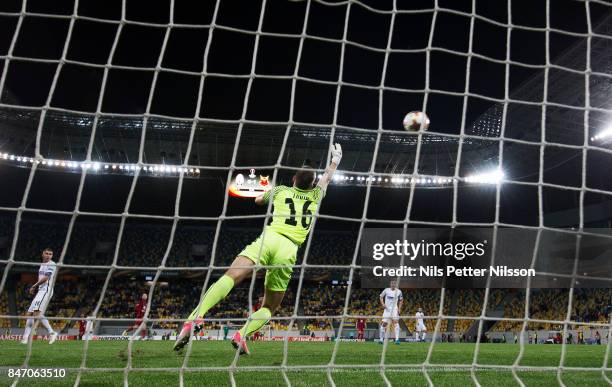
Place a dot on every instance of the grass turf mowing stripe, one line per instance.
(365, 358)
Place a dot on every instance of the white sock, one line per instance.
(382, 333)
(417, 335)
(424, 333)
(397, 331)
(46, 324)
(28, 329)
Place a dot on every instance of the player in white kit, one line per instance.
(420, 325)
(44, 292)
(391, 300)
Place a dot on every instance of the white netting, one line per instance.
(415, 175)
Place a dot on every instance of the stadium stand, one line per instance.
(174, 297)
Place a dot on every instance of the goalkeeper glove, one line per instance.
(336, 152)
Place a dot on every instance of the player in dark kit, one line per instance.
(361, 324)
(139, 311)
(259, 334)
(82, 324)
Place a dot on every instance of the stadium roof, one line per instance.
(65, 135)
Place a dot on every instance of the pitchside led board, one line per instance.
(249, 185)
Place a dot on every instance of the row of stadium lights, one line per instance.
(494, 177)
(395, 180)
(602, 135)
(96, 166)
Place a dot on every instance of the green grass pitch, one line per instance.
(158, 354)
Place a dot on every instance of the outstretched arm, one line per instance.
(264, 197)
(260, 200)
(336, 151)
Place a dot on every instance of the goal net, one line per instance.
(124, 124)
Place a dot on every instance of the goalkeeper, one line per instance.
(276, 246)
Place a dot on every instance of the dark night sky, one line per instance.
(231, 52)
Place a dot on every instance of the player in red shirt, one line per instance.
(361, 325)
(82, 324)
(140, 310)
(257, 306)
(257, 335)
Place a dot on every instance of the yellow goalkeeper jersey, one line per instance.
(293, 210)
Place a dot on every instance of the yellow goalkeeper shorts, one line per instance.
(275, 249)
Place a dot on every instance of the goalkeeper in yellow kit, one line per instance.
(277, 246)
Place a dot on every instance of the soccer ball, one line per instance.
(414, 120)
